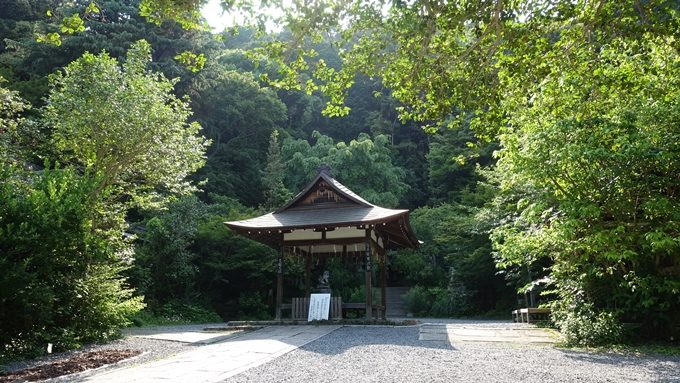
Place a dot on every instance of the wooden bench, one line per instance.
(377, 309)
(530, 314)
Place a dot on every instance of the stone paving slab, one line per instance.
(193, 337)
(219, 361)
(441, 332)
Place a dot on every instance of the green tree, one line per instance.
(12, 108)
(452, 161)
(239, 117)
(164, 269)
(123, 125)
(364, 165)
(26, 63)
(61, 281)
(275, 193)
(235, 274)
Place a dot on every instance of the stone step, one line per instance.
(396, 305)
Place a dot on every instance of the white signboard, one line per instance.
(319, 307)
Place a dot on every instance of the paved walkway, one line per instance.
(218, 361)
(192, 334)
(442, 332)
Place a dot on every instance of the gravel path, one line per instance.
(385, 354)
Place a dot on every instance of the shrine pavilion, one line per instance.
(327, 219)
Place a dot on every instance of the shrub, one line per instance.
(175, 313)
(582, 326)
(454, 300)
(60, 280)
(418, 300)
(183, 312)
(449, 302)
(252, 306)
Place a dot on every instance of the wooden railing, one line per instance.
(299, 308)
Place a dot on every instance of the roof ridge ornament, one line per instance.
(323, 168)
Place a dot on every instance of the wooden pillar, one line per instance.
(308, 272)
(367, 268)
(279, 283)
(383, 281)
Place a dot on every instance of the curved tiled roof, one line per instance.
(340, 188)
(349, 210)
(327, 217)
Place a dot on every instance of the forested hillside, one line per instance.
(537, 149)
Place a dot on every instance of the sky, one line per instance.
(213, 14)
(218, 20)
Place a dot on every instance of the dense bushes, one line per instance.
(453, 271)
(60, 278)
(124, 142)
(175, 313)
(450, 301)
(186, 257)
(582, 325)
(608, 227)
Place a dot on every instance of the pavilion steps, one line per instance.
(396, 304)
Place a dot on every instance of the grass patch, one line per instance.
(647, 349)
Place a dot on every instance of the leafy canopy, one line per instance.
(364, 165)
(123, 124)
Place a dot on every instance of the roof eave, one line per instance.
(398, 214)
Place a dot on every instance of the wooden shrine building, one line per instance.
(326, 219)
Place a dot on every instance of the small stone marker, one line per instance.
(319, 307)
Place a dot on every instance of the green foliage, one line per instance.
(53, 38)
(453, 159)
(135, 136)
(185, 12)
(187, 313)
(72, 24)
(92, 8)
(228, 263)
(454, 300)
(580, 100)
(12, 123)
(450, 301)
(27, 63)
(11, 107)
(593, 185)
(364, 165)
(455, 258)
(174, 313)
(582, 326)
(164, 268)
(582, 97)
(418, 301)
(252, 306)
(186, 254)
(358, 293)
(417, 267)
(69, 25)
(275, 193)
(193, 62)
(346, 281)
(239, 117)
(61, 279)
